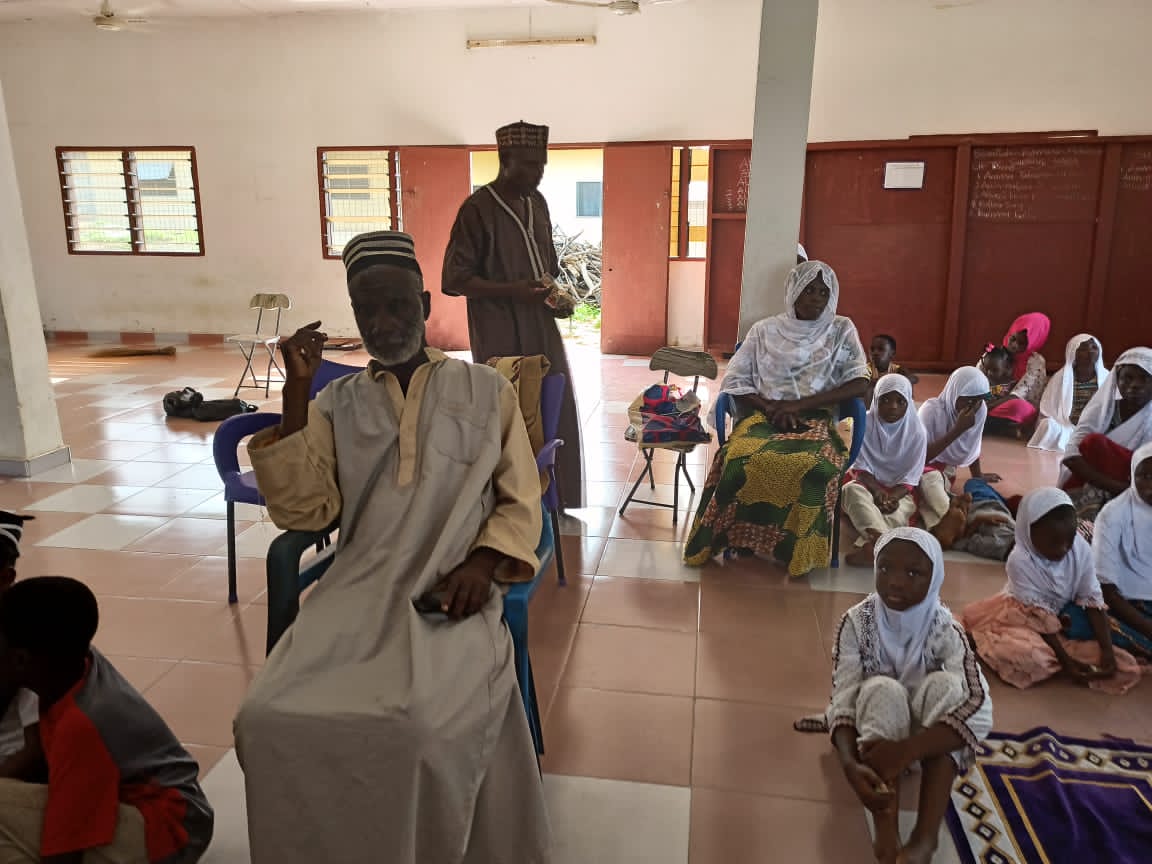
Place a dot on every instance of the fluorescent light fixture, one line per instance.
(543, 42)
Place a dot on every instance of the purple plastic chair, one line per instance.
(551, 396)
(239, 486)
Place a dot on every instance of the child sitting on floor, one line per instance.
(881, 357)
(1021, 632)
(906, 689)
(1122, 549)
(954, 421)
(1016, 414)
(880, 492)
(19, 710)
(120, 788)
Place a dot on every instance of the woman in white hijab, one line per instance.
(1069, 391)
(1098, 459)
(1122, 547)
(954, 421)
(880, 494)
(772, 486)
(906, 688)
(1022, 632)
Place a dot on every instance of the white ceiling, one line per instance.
(33, 9)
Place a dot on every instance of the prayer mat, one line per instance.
(1037, 798)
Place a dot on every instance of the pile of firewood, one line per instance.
(579, 265)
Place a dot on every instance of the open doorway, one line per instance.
(573, 186)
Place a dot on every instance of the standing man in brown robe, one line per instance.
(500, 257)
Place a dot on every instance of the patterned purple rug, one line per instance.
(1036, 798)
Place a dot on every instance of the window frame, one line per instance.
(684, 182)
(394, 209)
(137, 229)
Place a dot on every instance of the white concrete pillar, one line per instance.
(779, 142)
(30, 439)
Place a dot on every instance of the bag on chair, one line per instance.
(662, 415)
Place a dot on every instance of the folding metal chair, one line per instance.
(249, 342)
(687, 364)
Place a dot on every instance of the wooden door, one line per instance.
(434, 181)
(727, 218)
(634, 294)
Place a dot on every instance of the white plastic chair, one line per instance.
(249, 342)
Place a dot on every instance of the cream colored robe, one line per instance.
(373, 734)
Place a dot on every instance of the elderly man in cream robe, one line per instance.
(376, 731)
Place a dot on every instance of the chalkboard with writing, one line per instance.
(1045, 183)
(1136, 170)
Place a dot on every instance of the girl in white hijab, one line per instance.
(888, 469)
(905, 683)
(1069, 391)
(1022, 632)
(1122, 547)
(954, 421)
(1098, 459)
(785, 455)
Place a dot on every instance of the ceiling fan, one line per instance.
(617, 7)
(106, 19)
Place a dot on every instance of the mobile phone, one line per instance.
(430, 604)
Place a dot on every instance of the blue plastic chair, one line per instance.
(286, 580)
(239, 486)
(551, 397)
(854, 408)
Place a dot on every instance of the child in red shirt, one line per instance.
(120, 787)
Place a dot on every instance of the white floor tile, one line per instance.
(610, 821)
(224, 788)
(195, 477)
(125, 402)
(85, 499)
(77, 471)
(168, 502)
(105, 531)
(646, 559)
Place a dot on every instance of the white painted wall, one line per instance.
(257, 96)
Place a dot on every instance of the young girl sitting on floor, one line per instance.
(1019, 632)
(1098, 459)
(1122, 548)
(1019, 411)
(880, 494)
(906, 689)
(1069, 392)
(954, 421)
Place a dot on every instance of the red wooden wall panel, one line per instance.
(1031, 232)
(1126, 307)
(634, 296)
(434, 181)
(889, 247)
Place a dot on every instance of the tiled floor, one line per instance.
(668, 693)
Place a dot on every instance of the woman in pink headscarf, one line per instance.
(1016, 413)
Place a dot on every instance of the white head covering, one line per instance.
(801, 252)
(894, 453)
(939, 416)
(902, 637)
(1097, 417)
(783, 357)
(1054, 429)
(1122, 539)
(1051, 585)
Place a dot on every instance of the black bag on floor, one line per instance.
(190, 404)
